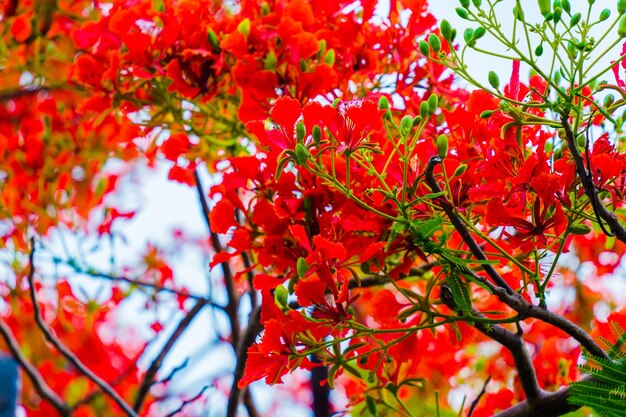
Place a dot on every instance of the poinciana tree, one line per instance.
(423, 248)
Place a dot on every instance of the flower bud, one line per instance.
(539, 50)
(302, 266)
(566, 6)
(465, 3)
(270, 61)
(434, 42)
(280, 297)
(301, 154)
(460, 170)
(317, 134)
(604, 15)
(621, 29)
(330, 57)
(575, 20)
(579, 229)
(244, 27)
(424, 109)
(479, 33)
(609, 100)
(462, 13)
(300, 131)
(487, 114)
(442, 146)
(621, 6)
(494, 80)
(424, 48)
(446, 29)
(406, 124)
(215, 43)
(383, 103)
(433, 102)
(544, 6)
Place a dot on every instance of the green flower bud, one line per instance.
(442, 146)
(477, 3)
(383, 103)
(330, 57)
(609, 100)
(322, 49)
(518, 13)
(270, 61)
(434, 42)
(621, 29)
(557, 14)
(452, 35)
(417, 120)
(604, 15)
(265, 9)
(539, 50)
(468, 35)
(317, 134)
(424, 48)
(424, 109)
(544, 6)
(579, 229)
(302, 266)
(575, 20)
(621, 6)
(280, 297)
(406, 124)
(487, 114)
(215, 43)
(479, 33)
(300, 131)
(494, 80)
(462, 13)
(433, 102)
(581, 141)
(446, 29)
(301, 154)
(465, 3)
(460, 170)
(566, 6)
(244, 27)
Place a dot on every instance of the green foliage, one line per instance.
(605, 392)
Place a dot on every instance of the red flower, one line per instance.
(354, 122)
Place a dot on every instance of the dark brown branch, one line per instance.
(40, 385)
(507, 296)
(136, 282)
(513, 342)
(149, 377)
(591, 191)
(552, 404)
(460, 227)
(253, 329)
(63, 350)
(240, 345)
(478, 397)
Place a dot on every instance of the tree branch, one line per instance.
(591, 191)
(40, 385)
(507, 296)
(512, 341)
(253, 329)
(149, 377)
(68, 354)
(460, 227)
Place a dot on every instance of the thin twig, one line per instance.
(188, 401)
(63, 350)
(40, 385)
(480, 394)
(148, 378)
